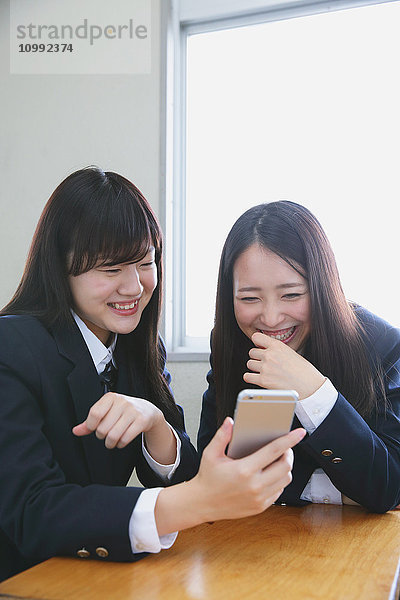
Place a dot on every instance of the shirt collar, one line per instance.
(101, 355)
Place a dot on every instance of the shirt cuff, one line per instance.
(143, 532)
(313, 410)
(321, 490)
(164, 471)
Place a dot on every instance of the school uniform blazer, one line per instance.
(361, 457)
(60, 493)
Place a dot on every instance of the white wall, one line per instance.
(51, 125)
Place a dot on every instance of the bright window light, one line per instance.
(305, 109)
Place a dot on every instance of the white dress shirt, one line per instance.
(142, 526)
(311, 412)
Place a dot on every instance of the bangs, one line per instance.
(279, 233)
(114, 227)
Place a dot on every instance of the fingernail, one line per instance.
(226, 422)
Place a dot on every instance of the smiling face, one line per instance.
(112, 298)
(270, 296)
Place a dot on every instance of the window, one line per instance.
(303, 109)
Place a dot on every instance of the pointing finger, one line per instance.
(99, 410)
(81, 429)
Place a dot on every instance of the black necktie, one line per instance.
(108, 378)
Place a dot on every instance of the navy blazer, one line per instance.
(58, 492)
(369, 470)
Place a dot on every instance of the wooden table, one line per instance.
(330, 552)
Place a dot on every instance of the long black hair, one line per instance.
(336, 341)
(96, 216)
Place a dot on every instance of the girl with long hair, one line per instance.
(85, 396)
(282, 322)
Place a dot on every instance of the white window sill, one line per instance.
(186, 355)
(193, 350)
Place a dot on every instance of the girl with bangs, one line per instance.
(85, 396)
(282, 322)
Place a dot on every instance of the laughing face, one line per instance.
(271, 297)
(111, 299)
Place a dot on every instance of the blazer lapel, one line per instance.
(85, 388)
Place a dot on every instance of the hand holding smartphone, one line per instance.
(260, 417)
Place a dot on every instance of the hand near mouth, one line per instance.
(274, 365)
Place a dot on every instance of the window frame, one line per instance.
(183, 18)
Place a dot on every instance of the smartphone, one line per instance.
(260, 417)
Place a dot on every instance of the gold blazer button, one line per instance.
(83, 553)
(326, 452)
(102, 552)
